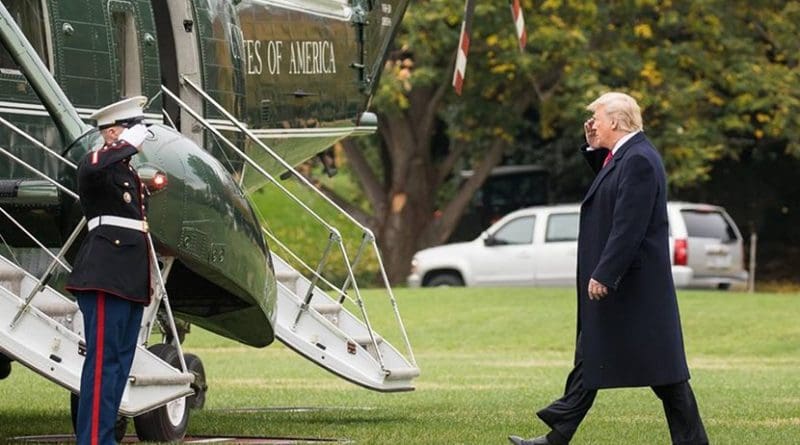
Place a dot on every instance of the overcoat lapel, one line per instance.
(611, 164)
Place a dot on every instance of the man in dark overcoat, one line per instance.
(629, 329)
(111, 273)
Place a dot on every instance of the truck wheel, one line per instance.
(445, 279)
(195, 366)
(167, 423)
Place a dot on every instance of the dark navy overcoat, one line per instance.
(632, 337)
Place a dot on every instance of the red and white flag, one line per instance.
(519, 23)
(463, 47)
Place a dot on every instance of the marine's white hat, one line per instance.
(120, 112)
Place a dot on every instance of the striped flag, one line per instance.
(519, 23)
(463, 47)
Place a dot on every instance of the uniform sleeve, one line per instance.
(594, 157)
(636, 195)
(108, 155)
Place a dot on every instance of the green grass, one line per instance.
(490, 358)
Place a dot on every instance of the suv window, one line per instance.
(30, 19)
(516, 231)
(708, 224)
(562, 227)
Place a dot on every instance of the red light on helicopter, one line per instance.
(159, 181)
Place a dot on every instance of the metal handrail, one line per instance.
(33, 238)
(36, 142)
(36, 171)
(310, 269)
(368, 234)
(242, 128)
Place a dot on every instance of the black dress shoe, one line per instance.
(541, 440)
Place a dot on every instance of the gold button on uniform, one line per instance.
(127, 184)
(116, 241)
(126, 197)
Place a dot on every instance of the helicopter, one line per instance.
(240, 91)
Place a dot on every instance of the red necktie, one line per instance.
(608, 158)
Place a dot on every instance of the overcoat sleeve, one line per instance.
(636, 195)
(594, 157)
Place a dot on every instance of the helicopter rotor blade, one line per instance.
(460, 69)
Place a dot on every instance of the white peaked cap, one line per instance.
(119, 112)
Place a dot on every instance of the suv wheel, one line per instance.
(445, 279)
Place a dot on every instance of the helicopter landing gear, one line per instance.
(166, 423)
(5, 366)
(195, 366)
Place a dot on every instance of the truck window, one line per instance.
(562, 227)
(708, 224)
(516, 231)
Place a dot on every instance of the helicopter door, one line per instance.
(126, 46)
(380, 24)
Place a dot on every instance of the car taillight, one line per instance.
(681, 252)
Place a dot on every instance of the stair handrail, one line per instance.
(368, 234)
(243, 129)
(36, 142)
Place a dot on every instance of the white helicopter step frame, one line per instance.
(299, 323)
(44, 329)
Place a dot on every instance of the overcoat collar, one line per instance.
(638, 137)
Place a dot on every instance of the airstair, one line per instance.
(322, 321)
(43, 329)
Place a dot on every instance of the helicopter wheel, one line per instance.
(5, 366)
(120, 426)
(167, 423)
(195, 366)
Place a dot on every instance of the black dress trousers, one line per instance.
(565, 414)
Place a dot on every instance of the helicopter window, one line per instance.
(30, 17)
(127, 47)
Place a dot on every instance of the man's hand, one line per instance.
(590, 132)
(597, 290)
(134, 135)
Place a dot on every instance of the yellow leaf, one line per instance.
(643, 30)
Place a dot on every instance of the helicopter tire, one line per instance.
(195, 366)
(120, 427)
(5, 366)
(167, 423)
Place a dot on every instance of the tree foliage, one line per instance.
(717, 79)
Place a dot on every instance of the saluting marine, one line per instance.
(111, 272)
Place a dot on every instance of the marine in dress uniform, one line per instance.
(629, 329)
(111, 272)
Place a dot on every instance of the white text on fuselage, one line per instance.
(304, 57)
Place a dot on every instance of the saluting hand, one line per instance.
(134, 135)
(597, 290)
(590, 132)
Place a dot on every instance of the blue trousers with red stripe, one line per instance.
(111, 326)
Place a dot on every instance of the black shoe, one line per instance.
(541, 440)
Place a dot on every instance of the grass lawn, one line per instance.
(490, 358)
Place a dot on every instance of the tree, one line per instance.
(716, 79)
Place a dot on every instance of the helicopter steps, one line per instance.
(326, 333)
(48, 338)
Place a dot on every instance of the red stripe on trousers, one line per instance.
(98, 366)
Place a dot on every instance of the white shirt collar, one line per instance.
(621, 141)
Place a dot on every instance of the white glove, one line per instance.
(134, 135)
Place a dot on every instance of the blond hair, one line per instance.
(621, 109)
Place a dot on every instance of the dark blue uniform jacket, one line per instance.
(112, 259)
(632, 337)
